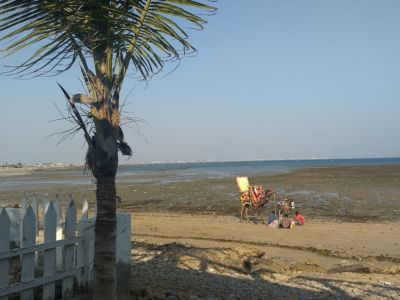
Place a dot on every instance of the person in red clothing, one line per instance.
(299, 219)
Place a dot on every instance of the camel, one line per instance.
(259, 207)
(256, 197)
(284, 207)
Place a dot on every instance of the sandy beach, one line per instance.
(187, 238)
(215, 256)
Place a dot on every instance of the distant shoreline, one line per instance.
(34, 170)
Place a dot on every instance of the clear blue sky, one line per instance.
(273, 80)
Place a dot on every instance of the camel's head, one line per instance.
(269, 193)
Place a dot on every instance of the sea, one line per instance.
(164, 173)
(246, 168)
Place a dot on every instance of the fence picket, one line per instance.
(28, 260)
(24, 203)
(85, 208)
(5, 226)
(59, 231)
(49, 265)
(69, 200)
(46, 203)
(69, 251)
(35, 210)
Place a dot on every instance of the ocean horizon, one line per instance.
(250, 160)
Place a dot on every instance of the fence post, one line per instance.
(85, 253)
(123, 255)
(49, 265)
(59, 231)
(85, 208)
(28, 260)
(5, 225)
(69, 250)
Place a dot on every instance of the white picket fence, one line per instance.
(65, 255)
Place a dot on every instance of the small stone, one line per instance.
(183, 295)
(280, 277)
(159, 296)
(171, 298)
(136, 292)
(168, 293)
(248, 252)
(146, 292)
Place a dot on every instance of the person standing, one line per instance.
(245, 199)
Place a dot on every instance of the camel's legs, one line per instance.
(247, 214)
(261, 214)
(255, 214)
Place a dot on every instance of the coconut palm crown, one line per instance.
(114, 38)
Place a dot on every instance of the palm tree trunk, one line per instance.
(104, 267)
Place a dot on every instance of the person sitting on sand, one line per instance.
(299, 219)
(245, 198)
(286, 223)
(272, 220)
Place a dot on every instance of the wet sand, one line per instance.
(351, 194)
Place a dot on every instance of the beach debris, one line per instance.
(387, 283)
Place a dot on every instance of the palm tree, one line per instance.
(110, 36)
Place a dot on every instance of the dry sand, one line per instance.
(216, 256)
